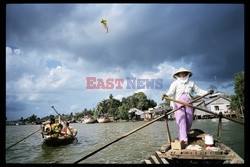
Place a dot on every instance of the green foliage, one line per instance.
(108, 106)
(32, 118)
(111, 106)
(234, 103)
(239, 86)
(237, 100)
(139, 100)
(79, 115)
(83, 113)
(122, 111)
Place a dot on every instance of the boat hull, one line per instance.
(89, 121)
(57, 141)
(103, 120)
(166, 155)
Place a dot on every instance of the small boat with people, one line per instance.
(202, 149)
(54, 134)
(54, 138)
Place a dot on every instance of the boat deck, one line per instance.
(166, 155)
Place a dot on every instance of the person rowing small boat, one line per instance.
(54, 134)
(68, 132)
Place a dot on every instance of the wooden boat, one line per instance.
(103, 119)
(89, 119)
(49, 141)
(222, 155)
(63, 140)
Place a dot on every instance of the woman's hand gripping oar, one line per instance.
(202, 109)
(198, 98)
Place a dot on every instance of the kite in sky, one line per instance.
(104, 22)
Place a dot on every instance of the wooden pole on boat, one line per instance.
(167, 127)
(21, 140)
(129, 133)
(219, 127)
(202, 109)
(55, 110)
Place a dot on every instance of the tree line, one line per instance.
(119, 109)
(114, 107)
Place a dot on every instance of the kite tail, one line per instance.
(106, 27)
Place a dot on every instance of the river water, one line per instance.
(132, 149)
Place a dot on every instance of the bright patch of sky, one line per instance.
(53, 63)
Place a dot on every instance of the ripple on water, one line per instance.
(131, 149)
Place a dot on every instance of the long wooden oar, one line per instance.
(55, 110)
(198, 98)
(129, 133)
(21, 140)
(202, 109)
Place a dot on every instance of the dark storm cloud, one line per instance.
(12, 104)
(27, 24)
(218, 49)
(219, 86)
(212, 86)
(209, 36)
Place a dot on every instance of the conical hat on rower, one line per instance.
(182, 70)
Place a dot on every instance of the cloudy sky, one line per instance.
(52, 48)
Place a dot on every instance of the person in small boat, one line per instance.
(182, 89)
(66, 131)
(55, 128)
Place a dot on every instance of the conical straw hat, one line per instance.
(182, 70)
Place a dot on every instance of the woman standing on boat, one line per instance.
(182, 89)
